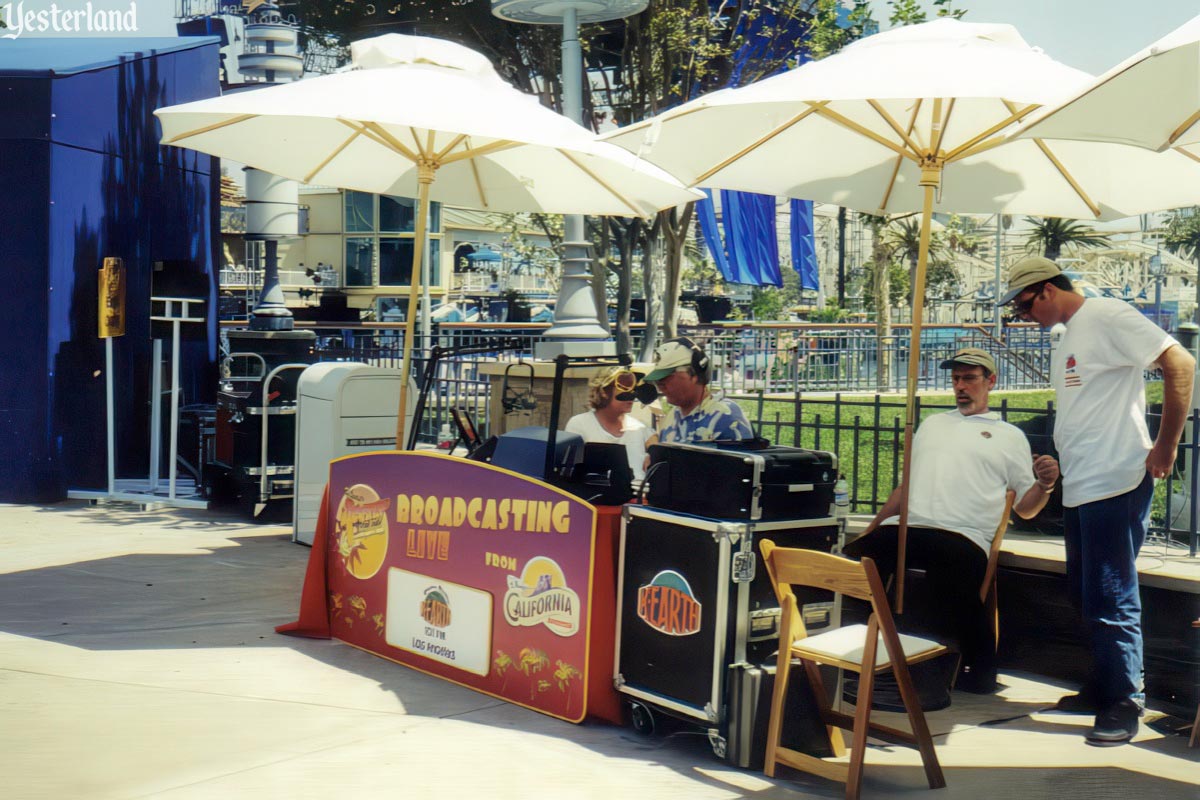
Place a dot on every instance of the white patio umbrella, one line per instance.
(1151, 99)
(907, 120)
(423, 117)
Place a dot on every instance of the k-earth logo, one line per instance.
(80, 18)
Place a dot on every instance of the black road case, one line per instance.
(741, 480)
(749, 711)
(692, 599)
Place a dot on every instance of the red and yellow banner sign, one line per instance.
(466, 571)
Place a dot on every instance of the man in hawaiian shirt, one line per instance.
(681, 374)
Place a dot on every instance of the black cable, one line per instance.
(641, 495)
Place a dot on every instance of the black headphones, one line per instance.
(699, 357)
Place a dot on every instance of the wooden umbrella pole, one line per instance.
(931, 176)
(425, 173)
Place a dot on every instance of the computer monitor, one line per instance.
(524, 450)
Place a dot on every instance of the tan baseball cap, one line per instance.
(673, 354)
(973, 356)
(1026, 272)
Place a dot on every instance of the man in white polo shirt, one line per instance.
(964, 463)
(1109, 468)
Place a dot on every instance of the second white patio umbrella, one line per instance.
(1151, 99)
(913, 119)
(426, 118)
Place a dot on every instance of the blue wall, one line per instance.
(83, 178)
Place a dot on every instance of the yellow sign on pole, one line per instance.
(112, 298)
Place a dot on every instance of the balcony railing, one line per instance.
(240, 277)
(483, 282)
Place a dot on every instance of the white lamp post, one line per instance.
(576, 329)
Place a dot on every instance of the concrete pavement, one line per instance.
(138, 659)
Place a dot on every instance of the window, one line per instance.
(383, 227)
(360, 258)
(395, 262)
(360, 212)
(397, 214)
(396, 257)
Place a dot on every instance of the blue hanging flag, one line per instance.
(749, 250)
(750, 237)
(804, 248)
(707, 216)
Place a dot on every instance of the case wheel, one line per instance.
(718, 744)
(642, 718)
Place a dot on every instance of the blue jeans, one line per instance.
(1103, 539)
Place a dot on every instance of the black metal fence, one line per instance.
(769, 357)
(779, 374)
(867, 435)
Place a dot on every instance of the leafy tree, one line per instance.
(826, 36)
(832, 312)
(1052, 234)
(790, 291)
(625, 233)
(963, 234)
(1183, 239)
(766, 303)
(903, 235)
(892, 283)
(910, 12)
(942, 279)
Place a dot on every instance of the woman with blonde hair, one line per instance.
(610, 394)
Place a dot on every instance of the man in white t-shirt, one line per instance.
(964, 463)
(1109, 466)
(610, 394)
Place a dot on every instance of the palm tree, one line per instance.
(1052, 234)
(903, 235)
(1183, 239)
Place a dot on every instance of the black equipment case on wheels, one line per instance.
(749, 480)
(692, 599)
(749, 711)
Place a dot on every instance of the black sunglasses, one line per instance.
(1022, 307)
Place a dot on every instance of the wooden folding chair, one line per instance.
(854, 647)
(987, 590)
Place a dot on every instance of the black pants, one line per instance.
(947, 608)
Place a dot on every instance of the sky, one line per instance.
(1091, 35)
